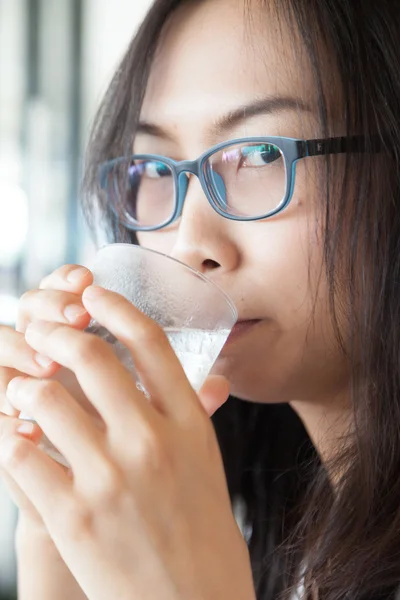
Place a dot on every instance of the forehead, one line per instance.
(215, 55)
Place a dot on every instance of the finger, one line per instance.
(5, 377)
(214, 393)
(159, 368)
(72, 431)
(51, 305)
(9, 426)
(15, 353)
(15, 492)
(68, 278)
(39, 477)
(104, 380)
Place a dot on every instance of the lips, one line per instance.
(241, 328)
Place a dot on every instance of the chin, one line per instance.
(256, 398)
(239, 387)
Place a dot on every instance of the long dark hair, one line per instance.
(346, 541)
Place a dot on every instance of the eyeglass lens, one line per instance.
(245, 180)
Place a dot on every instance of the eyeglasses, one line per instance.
(246, 179)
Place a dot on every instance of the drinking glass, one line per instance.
(196, 315)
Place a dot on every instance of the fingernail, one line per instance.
(93, 291)
(73, 312)
(76, 274)
(26, 427)
(43, 361)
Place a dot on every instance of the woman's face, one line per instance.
(212, 61)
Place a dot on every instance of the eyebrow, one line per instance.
(264, 106)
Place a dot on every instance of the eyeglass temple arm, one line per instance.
(340, 145)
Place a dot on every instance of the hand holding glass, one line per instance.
(196, 315)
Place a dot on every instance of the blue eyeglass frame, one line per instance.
(292, 150)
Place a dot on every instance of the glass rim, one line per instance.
(206, 280)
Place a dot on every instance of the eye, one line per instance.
(260, 155)
(150, 168)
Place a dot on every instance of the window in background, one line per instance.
(40, 41)
(40, 109)
(56, 58)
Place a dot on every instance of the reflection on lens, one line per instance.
(247, 180)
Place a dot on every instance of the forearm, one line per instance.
(41, 571)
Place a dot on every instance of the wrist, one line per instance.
(42, 573)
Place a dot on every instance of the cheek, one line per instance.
(289, 277)
(296, 354)
(285, 256)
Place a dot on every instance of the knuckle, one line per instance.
(149, 454)
(90, 349)
(44, 393)
(110, 489)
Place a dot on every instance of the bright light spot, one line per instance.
(8, 309)
(231, 155)
(14, 220)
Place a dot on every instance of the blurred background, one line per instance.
(56, 59)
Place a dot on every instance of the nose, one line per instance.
(204, 240)
(183, 183)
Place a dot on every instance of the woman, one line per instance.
(304, 236)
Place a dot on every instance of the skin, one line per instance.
(208, 66)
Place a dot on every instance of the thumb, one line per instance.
(214, 393)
